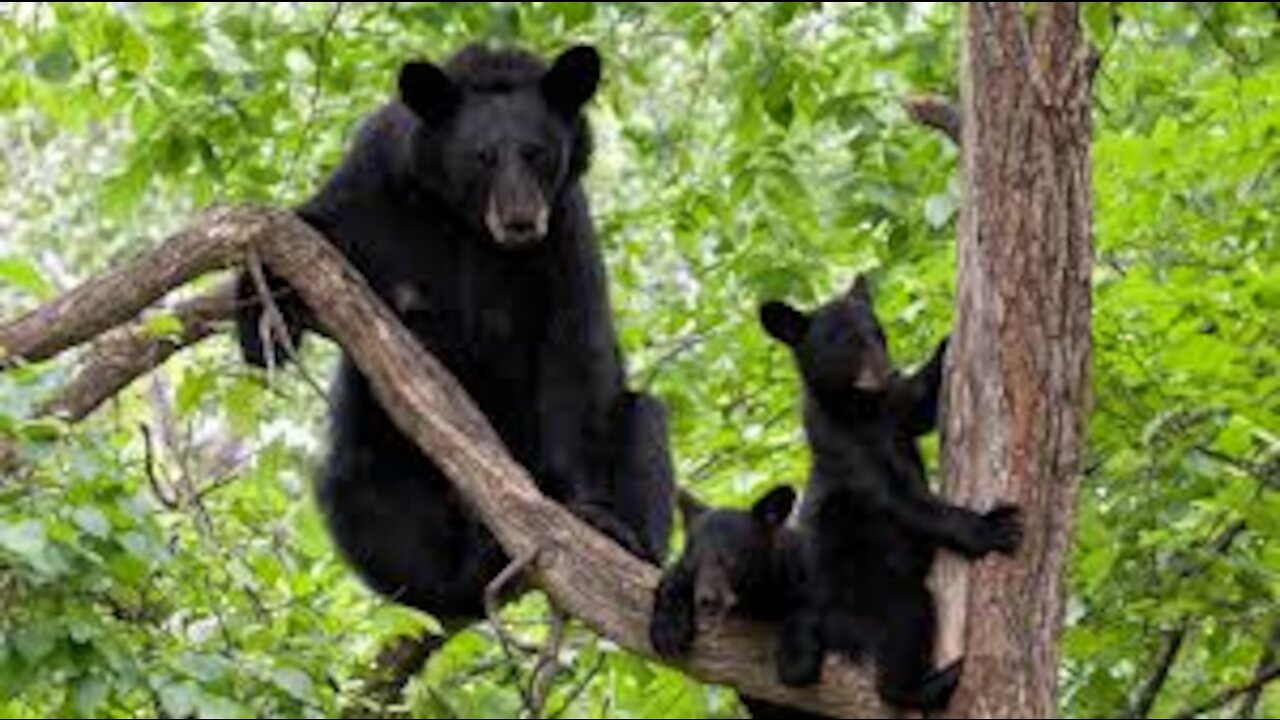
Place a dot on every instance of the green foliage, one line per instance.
(746, 151)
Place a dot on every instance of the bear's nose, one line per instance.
(521, 229)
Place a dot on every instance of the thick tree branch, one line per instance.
(120, 295)
(120, 357)
(583, 572)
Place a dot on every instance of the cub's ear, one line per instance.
(691, 508)
(428, 91)
(772, 510)
(861, 289)
(573, 79)
(784, 323)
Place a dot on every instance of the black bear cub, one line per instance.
(461, 203)
(872, 521)
(747, 563)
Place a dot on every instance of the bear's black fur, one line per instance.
(750, 564)
(868, 511)
(463, 207)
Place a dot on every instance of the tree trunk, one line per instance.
(1017, 395)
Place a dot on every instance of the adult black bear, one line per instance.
(745, 563)
(462, 206)
(872, 520)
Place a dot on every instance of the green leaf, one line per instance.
(58, 64)
(295, 683)
(44, 430)
(90, 694)
(92, 521)
(122, 192)
(179, 700)
(939, 210)
(1099, 18)
(35, 642)
(243, 404)
(25, 275)
(164, 325)
(26, 540)
(213, 707)
(195, 389)
(135, 54)
(575, 13)
(897, 12)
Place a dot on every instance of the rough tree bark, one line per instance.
(583, 572)
(1019, 366)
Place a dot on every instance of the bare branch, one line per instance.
(1260, 681)
(1253, 698)
(149, 454)
(548, 668)
(1172, 647)
(584, 573)
(493, 609)
(121, 358)
(937, 112)
(121, 294)
(580, 687)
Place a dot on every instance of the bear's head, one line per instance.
(840, 347)
(501, 135)
(735, 551)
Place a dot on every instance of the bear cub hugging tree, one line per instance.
(462, 206)
(873, 523)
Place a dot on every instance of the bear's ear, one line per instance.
(772, 510)
(784, 323)
(691, 509)
(861, 289)
(573, 79)
(428, 91)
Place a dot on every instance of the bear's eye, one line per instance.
(533, 154)
(488, 157)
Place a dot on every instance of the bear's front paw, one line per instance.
(672, 629)
(999, 530)
(1004, 529)
(939, 686)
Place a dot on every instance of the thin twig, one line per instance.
(548, 668)
(1260, 681)
(149, 461)
(1253, 699)
(1257, 472)
(581, 687)
(1239, 58)
(685, 345)
(317, 87)
(493, 610)
(1146, 700)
